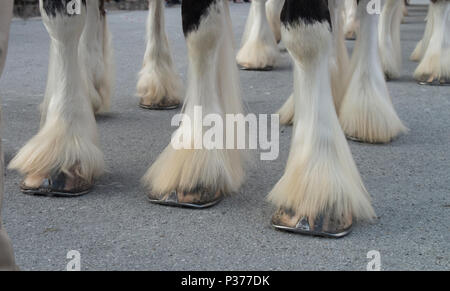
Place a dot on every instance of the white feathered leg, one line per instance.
(229, 84)
(339, 61)
(389, 38)
(273, 9)
(248, 25)
(339, 65)
(367, 113)
(96, 57)
(213, 87)
(259, 49)
(321, 178)
(351, 23)
(159, 86)
(67, 141)
(435, 65)
(422, 46)
(445, 55)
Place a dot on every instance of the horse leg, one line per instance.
(367, 113)
(189, 173)
(389, 38)
(63, 158)
(273, 8)
(351, 23)
(159, 86)
(422, 46)
(321, 191)
(259, 48)
(96, 59)
(339, 63)
(434, 67)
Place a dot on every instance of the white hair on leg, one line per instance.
(96, 59)
(389, 38)
(339, 61)
(248, 24)
(96, 62)
(229, 85)
(436, 60)
(215, 91)
(230, 99)
(50, 86)
(422, 46)
(287, 111)
(230, 25)
(351, 22)
(339, 65)
(67, 142)
(158, 83)
(106, 83)
(445, 55)
(367, 112)
(321, 177)
(273, 9)
(259, 51)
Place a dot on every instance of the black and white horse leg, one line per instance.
(188, 172)
(367, 113)
(339, 64)
(63, 158)
(434, 67)
(321, 191)
(159, 86)
(7, 262)
(259, 49)
(96, 58)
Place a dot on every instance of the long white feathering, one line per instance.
(215, 90)
(435, 64)
(321, 177)
(158, 81)
(67, 140)
(259, 48)
(367, 112)
(389, 38)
